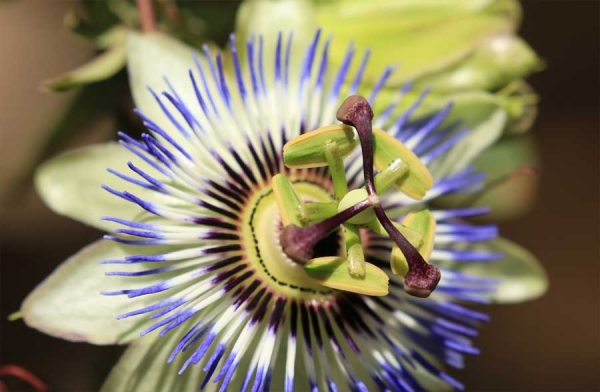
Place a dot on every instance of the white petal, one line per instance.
(522, 276)
(70, 184)
(485, 118)
(68, 304)
(150, 58)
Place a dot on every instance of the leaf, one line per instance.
(100, 68)
(68, 303)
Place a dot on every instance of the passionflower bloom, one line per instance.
(237, 251)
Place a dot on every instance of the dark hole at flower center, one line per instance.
(329, 246)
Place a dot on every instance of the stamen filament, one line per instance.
(356, 256)
(336, 168)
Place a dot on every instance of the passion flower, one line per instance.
(232, 253)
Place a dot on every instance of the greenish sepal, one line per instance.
(521, 277)
(332, 272)
(494, 64)
(289, 203)
(352, 198)
(388, 149)
(422, 222)
(308, 150)
(429, 36)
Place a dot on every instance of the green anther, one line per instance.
(332, 272)
(308, 150)
(390, 175)
(289, 203)
(356, 255)
(318, 211)
(413, 236)
(336, 168)
(424, 223)
(354, 197)
(388, 149)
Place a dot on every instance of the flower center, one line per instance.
(261, 225)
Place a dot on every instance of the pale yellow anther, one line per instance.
(308, 150)
(388, 149)
(332, 272)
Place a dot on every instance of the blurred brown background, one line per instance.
(551, 344)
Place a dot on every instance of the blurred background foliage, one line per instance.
(464, 51)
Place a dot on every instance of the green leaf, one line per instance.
(522, 276)
(333, 272)
(70, 184)
(482, 114)
(68, 303)
(507, 196)
(100, 68)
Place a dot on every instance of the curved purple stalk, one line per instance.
(422, 278)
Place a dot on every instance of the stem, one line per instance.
(146, 15)
(299, 242)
